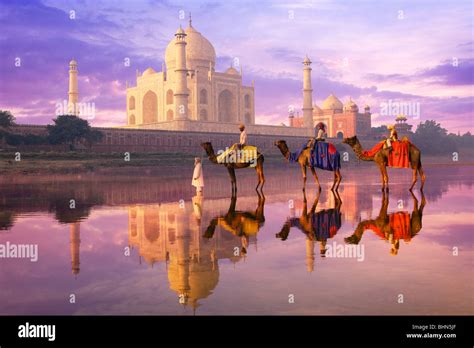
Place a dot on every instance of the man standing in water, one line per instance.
(198, 177)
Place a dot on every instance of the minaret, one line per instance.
(75, 240)
(73, 90)
(181, 92)
(307, 95)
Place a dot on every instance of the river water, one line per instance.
(145, 243)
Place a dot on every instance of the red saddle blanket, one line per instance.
(399, 156)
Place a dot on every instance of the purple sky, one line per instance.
(372, 51)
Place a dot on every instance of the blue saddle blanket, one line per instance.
(322, 155)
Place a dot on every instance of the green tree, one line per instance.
(430, 129)
(70, 129)
(6, 119)
(431, 138)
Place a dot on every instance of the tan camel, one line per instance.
(232, 166)
(381, 158)
(304, 160)
(384, 226)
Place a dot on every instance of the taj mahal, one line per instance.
(188, 94)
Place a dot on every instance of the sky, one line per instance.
(376, 52)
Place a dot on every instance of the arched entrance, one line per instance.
(150, 107)
(226, 106)
(340, 135)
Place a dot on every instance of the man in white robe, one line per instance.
(198, 176)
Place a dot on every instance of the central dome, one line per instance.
(332, 103)
(199, 51)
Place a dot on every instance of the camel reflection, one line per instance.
(242, 224)
(392, 227)
(317, 226)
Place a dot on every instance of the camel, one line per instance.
(232, 166)
(242, 224)
(304, 163)
(381, 158)
(382, 223)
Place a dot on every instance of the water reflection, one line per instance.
(317, 226)
(392, 227)
(242, 224)
(172, 234)
(195, 249)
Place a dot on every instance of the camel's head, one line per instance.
(351, 141)
(207, 146)
(285, 231)
(281, 144)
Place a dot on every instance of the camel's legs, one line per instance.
(233, 180)
(261, 176)
(315, 177)
(413, 182)
(383, 172)
(385, 177)
(337, 180)
(422, 176)
(303, 171)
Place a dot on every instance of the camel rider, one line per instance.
(393, 136)
(243, 136)
(320, 135)
(321, 132)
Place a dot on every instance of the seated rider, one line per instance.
(243, 137)
(393, 136)
(321, 134)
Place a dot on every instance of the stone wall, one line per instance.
(125, 139)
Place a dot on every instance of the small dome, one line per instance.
(232, 71)
(180, 30)
(317, 109)
(332, 103)
(148, 72)
(401, 118)
(351, 106)
(73, 62)
(306, 60)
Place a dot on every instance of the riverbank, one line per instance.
(82, 162)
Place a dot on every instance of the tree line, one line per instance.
(66, 130)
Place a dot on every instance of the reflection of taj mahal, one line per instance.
(167, 233)
(190, 88)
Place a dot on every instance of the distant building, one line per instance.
(340, 120)
(402, 126)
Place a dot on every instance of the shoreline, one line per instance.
(115, 163)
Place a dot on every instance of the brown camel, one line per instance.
(303, 160)
(381, 158)
(385, 227)
(232, 166)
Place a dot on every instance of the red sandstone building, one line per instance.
(340, 120)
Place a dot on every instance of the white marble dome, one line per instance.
(199, 51)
